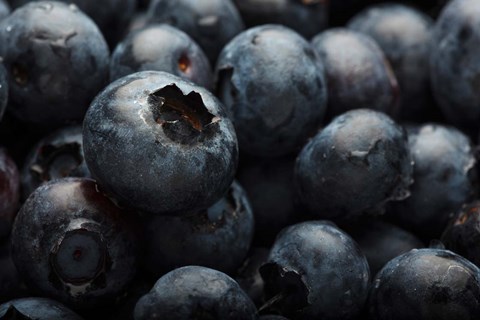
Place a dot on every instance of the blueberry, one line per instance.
(404, 34)
(357, 72)
(454, 67)
(462, 235)
(211, 23)
(381, 241)
(356, 164)
(70, 242)
(269, 186)
(218, 237)
(444, 179)
(195, 293)
(111, 16)
(272, 83)
(306, 17)
(58, 155)
(9, 192)
(36, 309)
(426, 284)
(162, 48)
(160, 144)
(272, 317)
(57, 61)
(318, 272)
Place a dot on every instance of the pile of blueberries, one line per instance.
(239, 159)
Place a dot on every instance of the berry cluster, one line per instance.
(239, 159)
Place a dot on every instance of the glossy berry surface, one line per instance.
(218, 237)
(70, 242)
(445, 177)
(302, 263)
(426, 284)
(165, 134)
(9, 192)
(358, 75)
(195, 293)
(271, 124)
(161, 48)
(404, 34)
(356, 164)
(36, 309)
(211, 23)
(59, 155)
(57, 61)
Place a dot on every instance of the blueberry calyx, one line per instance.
(80, 258)
(288, 289)
(14, 314)
(56, 162)
(184, 118)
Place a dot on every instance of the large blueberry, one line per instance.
(427, 284)
(318, 272)
(404, 34)
(160, 144)
(70, 242)
(273, 85)
(444, 179)
(161, 48)
(211, 23)
(57, 61)
(356, 164)
(36, 309)
(111, 16)
(218, 237)
(58, 155)
(454, 63)
(195, 293)
(357, 73)
(306, 17)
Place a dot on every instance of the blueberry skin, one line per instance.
(218, 238)
(426, 284)
(445, 177)
(57, 61)
(355, 165)
(381, 241)
(195, 292)
(9, 192)
(265, 60)
(211, 23)
(161, 48)
(184, 152)
(319, 269)
(454, 67)
(70, 242)
(4, 85)
(357, 72)
(404, 34)
(36, 309)
(270, 189)
(58, 155)
(4, 9)
(111, 16)
(462, 235)
(305, 17)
